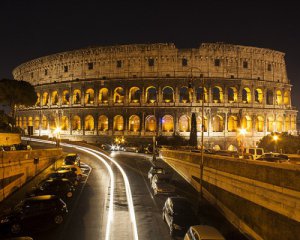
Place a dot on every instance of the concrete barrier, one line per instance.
(262, 199)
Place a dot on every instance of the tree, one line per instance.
(193, 133)
(14, 93)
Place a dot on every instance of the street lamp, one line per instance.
(275, 138)
(57, 134)
(242, 134)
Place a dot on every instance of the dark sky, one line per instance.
(31, 29)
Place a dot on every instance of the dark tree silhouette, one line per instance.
(193, 133)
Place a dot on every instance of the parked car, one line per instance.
(155, 170)
(34, 213)
(65, 174)
(72, 159)
(131, 148)
(203, 232)
(73, 168)
(255, 152)
(274, 157)
(227, 153)
(160, 184)
(179, 215)
(105, 146)
(54, 186)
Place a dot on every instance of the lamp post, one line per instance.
(243, 132)
(57, 133)
(275, 138)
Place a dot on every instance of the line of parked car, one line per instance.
(129, 147)
(46, 204)
(177, 211)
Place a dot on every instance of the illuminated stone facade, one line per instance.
(138, 91)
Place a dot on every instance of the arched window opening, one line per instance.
(24, 122)
(151, 95)
(199, 124)
(119, 95)
(232, 148)
(54, 98)
(184, 95)
(246, 95)
(76, 96)
(259, 125)
(278, 97)
(287, 123)
(44, 123)
(45, 99)
(218, 124)
(134, 123)
(150, 123)
(270, 124)
(258, 95)
(286, 98)
(167, 123)
(134, 95)
(103, 123)
(30, 121)
(168, 94)
(89, 96)
(232, 124)
(89, 124)
(232, 94)
(184, 123)
(64, 123)
(247, 123)
(36, 123)
(217, 148)
(103, 95)
(217, 93)
(118, 123)
(38, 101)
(76, 123)
(269, 97)
(279, 124)
(199, 95)
(65, 97)
(53, 122)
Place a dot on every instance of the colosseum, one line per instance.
(145, 90)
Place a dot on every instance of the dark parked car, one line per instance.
(67, 174)
(178, 214)
(155, 170)
(72, 159)
(61, 187)
(274, 157)
(34, 213)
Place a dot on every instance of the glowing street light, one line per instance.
(275, 138)
(57, 134)
(242, 134)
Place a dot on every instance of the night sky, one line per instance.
(31, 29)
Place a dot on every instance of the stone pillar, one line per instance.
(226, 122)
(265, 124)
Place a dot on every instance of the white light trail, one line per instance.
(112, 177)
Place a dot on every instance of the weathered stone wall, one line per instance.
(260, 198)
(7, 139)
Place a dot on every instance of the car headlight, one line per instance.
(177, 227)
(5, 220)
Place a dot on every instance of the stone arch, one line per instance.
(76, 123)
(199, 124)
(53, 122)
(199, 95)
(45, 99)
(134, 123)
(150, 123)
(64, 123)
(258, 95)
(103, 95)
(36, 125)
(247, 123)
(119, 95)
(76, 96)
(279, 124)
(118, 123)
(167, 123)
(30, 121)
(168, 94)
(232, 148)
(38, 101)
(232, 124)
(65, 97)
(89, 96)
(218, 95)
(54, 98)
(151, 94)
(24, 122)
(216, 147)
(184, 95)
(135, 95)
(287, 123)
(286, 98)
(218, 123)
(269, 97)
(259, 124)
(184, 123)
(103, 123)
(270, 124)
(278, 97)
(44, 123)
(89, 123)
(232, 94)
(246, 95)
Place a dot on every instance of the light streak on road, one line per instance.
(112, 183)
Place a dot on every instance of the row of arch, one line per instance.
(186, 95)
(218, 122)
